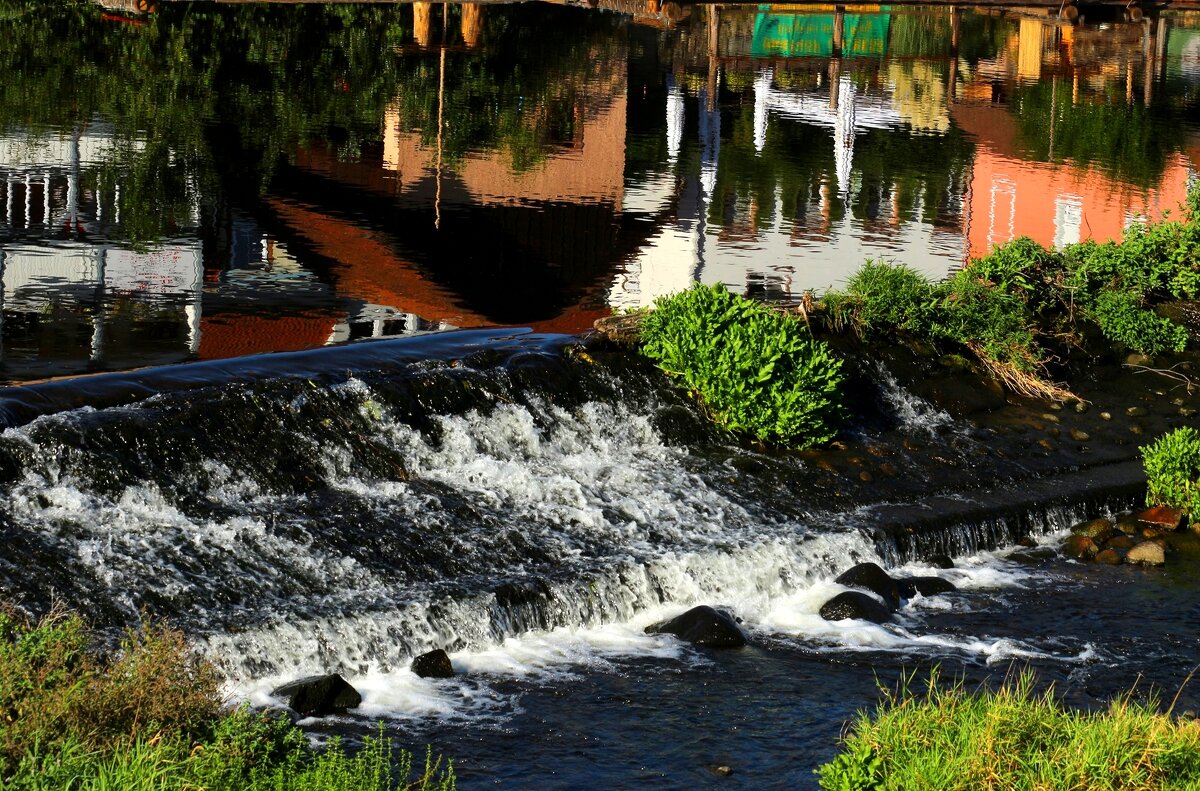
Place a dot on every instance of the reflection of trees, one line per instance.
(527, 89)
(202, 96)
(1129, 141)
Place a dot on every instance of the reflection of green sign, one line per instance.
(795, 35)
(1183, 52)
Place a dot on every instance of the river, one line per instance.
(292, 354)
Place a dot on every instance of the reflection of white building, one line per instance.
(782, 258)
(37, 275)
(51, 257)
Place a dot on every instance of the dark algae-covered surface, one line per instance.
(296, 354)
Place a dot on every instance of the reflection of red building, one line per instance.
(236, 334)
(1011, 196)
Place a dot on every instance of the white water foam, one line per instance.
(640, 531)
(916, 415)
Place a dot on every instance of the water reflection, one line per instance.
(186, 182)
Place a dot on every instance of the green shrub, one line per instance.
(756, 371)
(949, 738)
(1172, 464)
(1016, 307)
(1122, 320)
(1022, 269)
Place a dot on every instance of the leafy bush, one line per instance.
(756, 371)
(151, 716)
(949, 738)
(1012, 306)
(1172, 464)
(1124, 321)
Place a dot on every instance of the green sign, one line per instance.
(799, 35)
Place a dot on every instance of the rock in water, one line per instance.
(1096, 529)
(434, 664)
(703, 626)
(1080, 547)
(317, 696)
(1147, 553)
(926, 586)
(854, 604)
(941, 562)
(870, 576)
(1162, 516)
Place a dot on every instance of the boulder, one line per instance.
(941, 562)
(854, 604)
(1147, 553)
(1162, 516)
(434, 664)
(1080, 547)
(1096, 529)
(1120, 542)
(1108, 557)
(703, 625)
(317, 696)
(871, 577)
(926, 586)
(1129, 525)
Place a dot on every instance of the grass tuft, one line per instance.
(946, 737)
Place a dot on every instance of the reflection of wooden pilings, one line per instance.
(835, 77)
(839, 30)
(955, 28)
(714, 25)
(1148, 69)
(422, 30)
(472, 24)
(1160, 45)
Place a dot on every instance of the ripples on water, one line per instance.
(319, 174)
(206, 182)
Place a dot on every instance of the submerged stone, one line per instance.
(856, 605)
(703, 625)
(872, 577)
(1108, 557)
(926, 586)
(317, 696)
(433, 664)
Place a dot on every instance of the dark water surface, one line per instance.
(206, 181)
(202, 182)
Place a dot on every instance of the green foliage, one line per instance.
(1006, 306)
(1172, 464)
(949, 738)
(758, 372)
(885, 295)
(150, 717)
(1124, 321)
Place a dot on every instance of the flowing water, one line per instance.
(197, 183)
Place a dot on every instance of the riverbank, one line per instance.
(152, 715)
